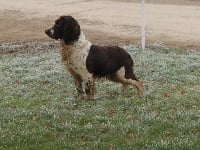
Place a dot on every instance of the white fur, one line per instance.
(52, 31)
(74, 56)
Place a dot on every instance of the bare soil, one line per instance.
(171, 23)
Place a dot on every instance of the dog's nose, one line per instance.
(47, 31)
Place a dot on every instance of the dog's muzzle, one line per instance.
(50, 33)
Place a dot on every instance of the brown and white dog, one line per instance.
(86, 62)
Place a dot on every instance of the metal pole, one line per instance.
(143, 24)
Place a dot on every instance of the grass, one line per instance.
(38, 109)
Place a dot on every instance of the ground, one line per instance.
(38, 108)
(105, 22)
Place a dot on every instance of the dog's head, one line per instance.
(65, 28)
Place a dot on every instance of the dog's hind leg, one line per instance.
(124, 87)
(132, 80)
(129, 72)
(137, 83)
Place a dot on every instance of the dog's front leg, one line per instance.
(79, 89)
(90, 88)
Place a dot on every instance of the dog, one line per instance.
(86, 61)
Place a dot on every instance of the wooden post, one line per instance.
(143, 24)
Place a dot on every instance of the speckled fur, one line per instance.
(74, 58)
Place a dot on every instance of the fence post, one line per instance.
(143, 24)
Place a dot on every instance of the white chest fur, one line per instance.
(74, 56)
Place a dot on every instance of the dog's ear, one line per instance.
(71, 31)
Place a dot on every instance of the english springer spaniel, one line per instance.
(86, 61)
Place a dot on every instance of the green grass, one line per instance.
(38, 109)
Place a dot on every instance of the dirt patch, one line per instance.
(167, 2)
(104, 22)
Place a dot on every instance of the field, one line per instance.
(38, 109)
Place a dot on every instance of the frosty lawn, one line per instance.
(38, 109)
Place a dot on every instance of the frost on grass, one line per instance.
(22, 73)
(156, 68)
(37, 96)
(168, 67)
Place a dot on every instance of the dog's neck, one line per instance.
(81, 41)
(81, 44)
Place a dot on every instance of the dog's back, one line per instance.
(106, 60)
